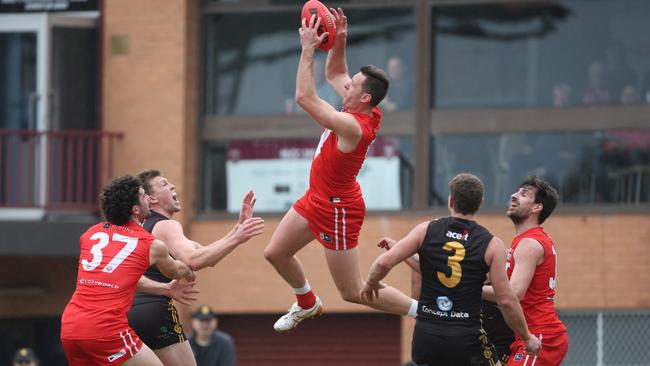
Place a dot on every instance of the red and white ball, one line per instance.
(327, 24)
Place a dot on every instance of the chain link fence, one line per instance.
(610, 338)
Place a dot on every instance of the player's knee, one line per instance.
(351, 296)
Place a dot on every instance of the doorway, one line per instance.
(48, 83)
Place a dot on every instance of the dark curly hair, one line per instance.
(118, 198)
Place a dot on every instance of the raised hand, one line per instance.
(251, 227)
(248, 204)
(309, 38)
(341, 22)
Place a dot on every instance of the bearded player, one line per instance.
(532, 269)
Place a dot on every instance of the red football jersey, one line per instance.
(538, 303)
(333, 174)
(112, 259)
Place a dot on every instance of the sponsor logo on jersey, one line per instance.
(464, 236)
(444, 303)
(83, 281)
(444, 314)
(325, 237)
(518, 357)
(115, 356)
(427, 310)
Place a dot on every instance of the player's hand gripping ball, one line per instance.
(327, 24)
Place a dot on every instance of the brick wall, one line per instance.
(149, 88)
(603, 262)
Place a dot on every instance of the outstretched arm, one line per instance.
(403, 249)
(412, 261)
(336, 68)
(198, 256)
(344, 125)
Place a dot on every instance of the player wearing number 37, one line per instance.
(113, 256)
(455, 254)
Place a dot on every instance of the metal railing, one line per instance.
(607, 338)
(631, 184)
(54, 170)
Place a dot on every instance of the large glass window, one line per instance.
(250, 77)
(252, 70)
(594, 167)
(541, 54)
(491, 62)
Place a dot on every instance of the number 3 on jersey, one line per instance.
(98, 255)
(453, 262)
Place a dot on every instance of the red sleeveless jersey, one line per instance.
(111, 261)
(538, 303)
(333, 174)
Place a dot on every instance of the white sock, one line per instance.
(302, 290)
(413, 311)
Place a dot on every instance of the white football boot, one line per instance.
(297, 314)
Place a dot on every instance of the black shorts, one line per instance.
(157, 323)
(498, 332)
(442, 350)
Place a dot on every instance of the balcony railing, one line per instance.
(55, 170)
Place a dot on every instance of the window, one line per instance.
(501, 72)
(541, 54)
(253, 71)
(594, 167)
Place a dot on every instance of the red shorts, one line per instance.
(109, 351)
(554, 348)
(336, 225)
